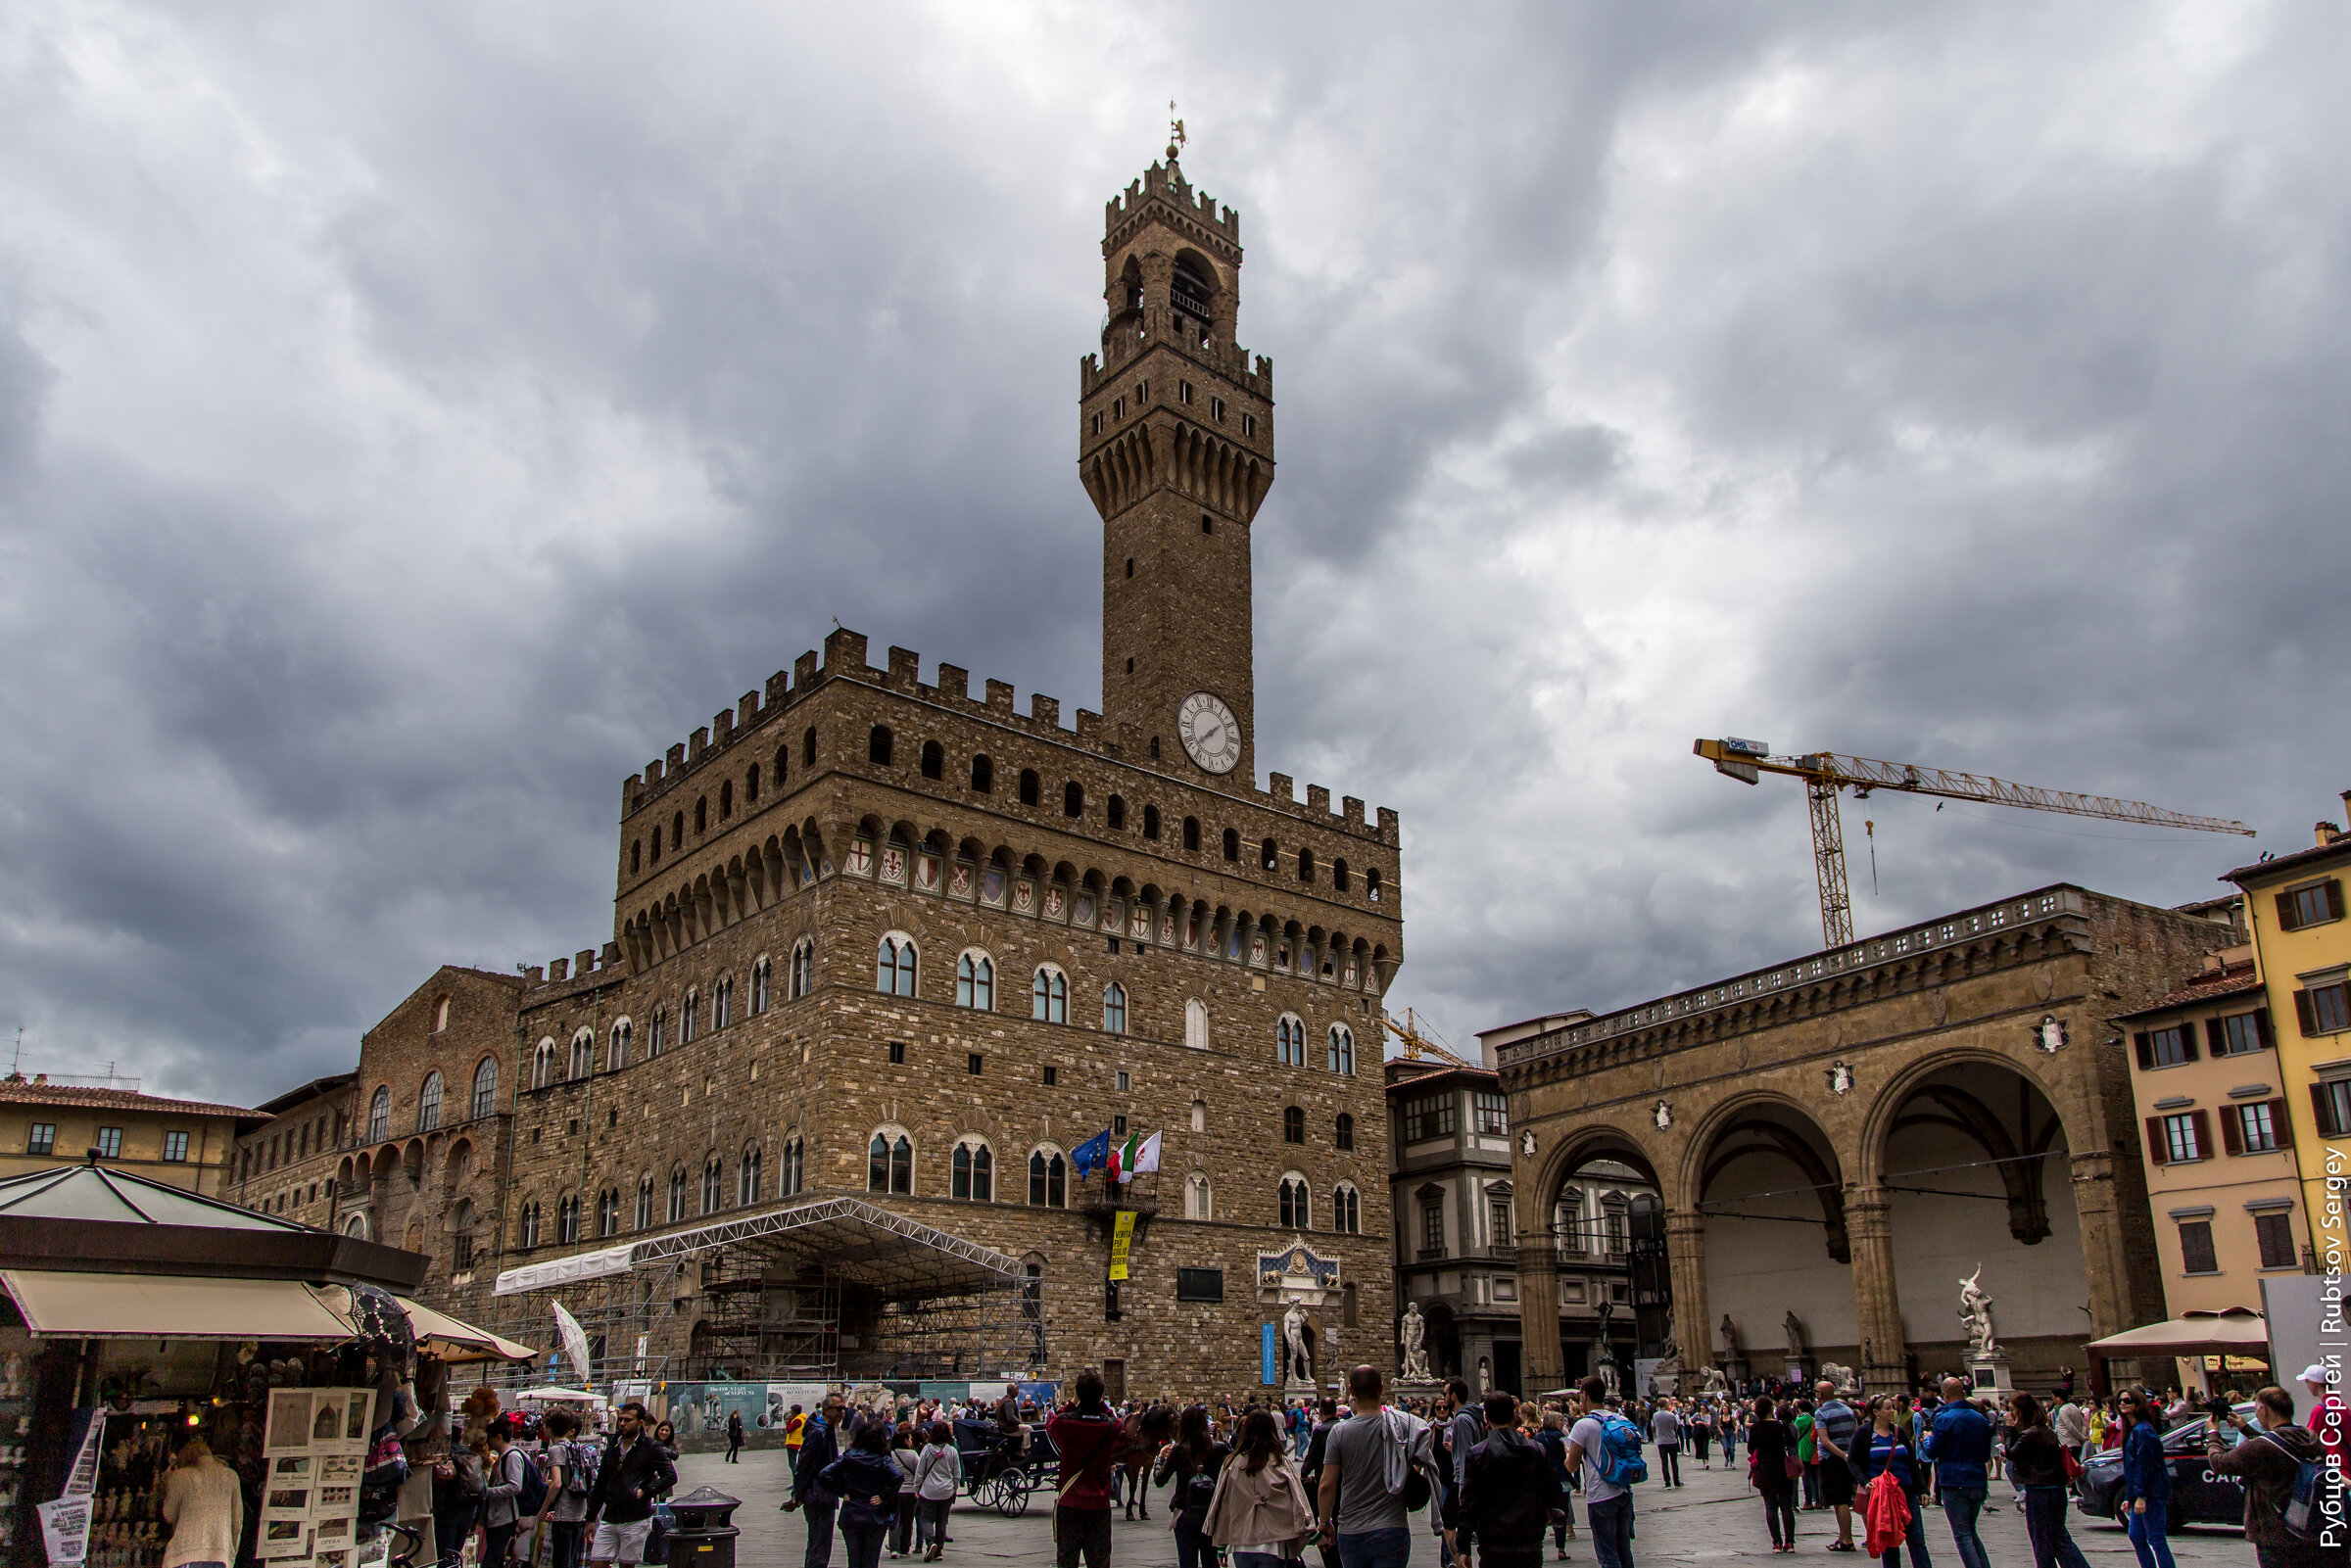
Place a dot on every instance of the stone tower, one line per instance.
(1175, 446)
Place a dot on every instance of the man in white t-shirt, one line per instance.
(1608, 1506)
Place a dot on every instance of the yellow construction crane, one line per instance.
(1827, 773)
(1415, 1043)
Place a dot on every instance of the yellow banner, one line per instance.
(1122, 1242)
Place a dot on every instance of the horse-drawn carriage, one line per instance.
(999, 1468)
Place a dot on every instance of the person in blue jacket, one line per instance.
(2147, 1481)
(819, 1448)
(866, 1480)
(1959, 1443)
(1887, 1446)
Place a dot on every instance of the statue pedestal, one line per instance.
(1988, 1373)
(1300, 1390)
(1401, 1388)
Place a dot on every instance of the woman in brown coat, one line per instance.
(1259, 1509)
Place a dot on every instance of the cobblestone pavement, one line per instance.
(1714, 1518)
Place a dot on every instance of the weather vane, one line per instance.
(1175, 136)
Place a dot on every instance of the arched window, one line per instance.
(428, 1103)
(1342, 1049)
(1199, 1115)
(934, 760)
(1269, 855)
(1232, 844)
(681, 1188)
(1306, 865)
(795, 1153)
(379, 1116)
(583, 1055)
(617, 1051)
(1347, 1209)
(1293, 1124)
(1343, 1135)
(889, 1163)
(783, 758)
(1289, 1041)
(893, 970)
(976, 981)
(1295, 1214)
(356, 1225)
(1191, 833)
(485, 1087)
(637, 855)
(722, 1002)
(701, 814)
(877, 746)
(726, 799)
(676, 830)
(1371, 885)
(659, 1036)
(1073, 799)
(714, 1184)
(440, 1013)
(567, 1220)
(526, 1228)
(809, 748)
(1199, 1203)
(656, 844)
(1114, 811)
(1113, 1009)
(759, 997)
(607, 1213)
(1150, 821)
(1048, 1180)
(645, 1202)
(1195, 1024)
(983, 776)
(1049, 996)
(974, 1175)
(746, 1177)
(803, 967)
(1030, 786)
(1339, 874)
(690, 1018)
(750, 784)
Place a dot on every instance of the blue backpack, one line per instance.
(532, 1495)
(2301, 1516)
(1621, 1463)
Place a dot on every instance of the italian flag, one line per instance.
(1134, 1156)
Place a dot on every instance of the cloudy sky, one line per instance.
(414, 418)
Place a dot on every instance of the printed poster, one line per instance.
(66, 1529)
(1121, 1243)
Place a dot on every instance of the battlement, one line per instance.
(588, 964)
(844, 660)
(1165, 185)
(1252, 373)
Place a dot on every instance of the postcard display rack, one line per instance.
(315, 1445)
(16, 1428)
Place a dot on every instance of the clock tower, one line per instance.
(1175, 446)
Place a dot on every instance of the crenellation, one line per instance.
(1282, 788)
(1089, 731)
(722, 728)
(558, 970)
(677, 759)
(905, 670)
(844, 652)
(747, 712)
(1352, 809)
(778, 690)
(582, 962)
(803, 673)
(954, 684)
(999, 697)
(1318, 799)
(1387, 827)
(697, 743)
(533, 975)
(1044, 710)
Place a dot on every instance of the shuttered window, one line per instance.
(2323, 1009)
(2238, 1034)
(2166, 1048)
(2259, 1127)
(2175, 1139)
(2195, 1248)
(2311, 904)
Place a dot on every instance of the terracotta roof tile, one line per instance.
(27, 1092)
(2238, 979)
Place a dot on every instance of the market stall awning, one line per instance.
(452, 1339)
(171, 1306)
(2235, 1332)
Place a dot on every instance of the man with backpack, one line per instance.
(570, 1475)
(1606, 1449)
(514, 1490)
(1378, 1468)
(2286, 1480)
(633, 1472)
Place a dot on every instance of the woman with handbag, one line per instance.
(937, 1473)
(1887, 1450)
(1257, 1506)
(1193, 1462)
(1772, 1469)
(2146, 1495)
(2044, 1469)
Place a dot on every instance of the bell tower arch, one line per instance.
(1176, 448)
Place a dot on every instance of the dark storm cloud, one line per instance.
(413, 419)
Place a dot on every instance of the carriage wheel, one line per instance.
(1012, 1493)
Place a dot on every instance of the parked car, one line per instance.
(2198, 1496)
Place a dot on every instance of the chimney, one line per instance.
(2326, 833)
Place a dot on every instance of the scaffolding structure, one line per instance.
(822, 1291)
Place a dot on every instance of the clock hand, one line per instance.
(1213, 736)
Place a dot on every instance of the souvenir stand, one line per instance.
(134, 1316)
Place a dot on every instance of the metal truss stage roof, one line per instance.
(864, 1243)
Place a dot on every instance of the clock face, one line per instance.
(1212, 736)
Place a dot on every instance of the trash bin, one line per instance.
(704, 1536)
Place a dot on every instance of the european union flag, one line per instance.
(1092, 1155)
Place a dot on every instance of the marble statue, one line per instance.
(1300, 1342)
(1730, 1339)
(1840, 1378)
(1795, 1327)
(1975, 1314)
(1716, 1383)
(1412, 1333)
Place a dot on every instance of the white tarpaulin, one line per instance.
(598, 1264)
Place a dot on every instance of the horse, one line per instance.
(1140, 1438)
